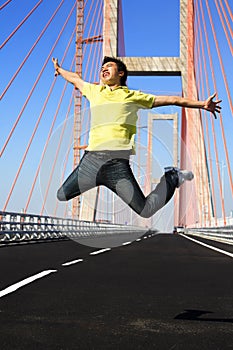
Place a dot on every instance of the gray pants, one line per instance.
(112, 169)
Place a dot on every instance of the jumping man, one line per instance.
(111, 139)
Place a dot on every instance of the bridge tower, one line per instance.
(78, 99)
(194, 198)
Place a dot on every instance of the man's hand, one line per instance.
(212, 106)
(69, 76)
(56, 66)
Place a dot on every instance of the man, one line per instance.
(111, 139)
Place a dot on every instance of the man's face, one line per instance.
(110, 75)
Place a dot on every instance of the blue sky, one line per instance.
(151, 29)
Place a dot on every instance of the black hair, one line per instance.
(120, 65)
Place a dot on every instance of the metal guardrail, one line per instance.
(18, 227)
(221, 234)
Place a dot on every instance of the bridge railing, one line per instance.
(221, 233)
(19, 227)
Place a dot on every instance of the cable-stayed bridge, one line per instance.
(45, 122)
(138, 289)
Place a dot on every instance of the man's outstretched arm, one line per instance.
(209, 105)
(71, 77)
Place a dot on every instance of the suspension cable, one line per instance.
(220, 59)
(221, 122)
(20, 24)
(31, 50)
(64, 168)
(224, 26)
(3, 5)
(201, 83)
(212, 123)
(229, 9)
(96, 31)
(56, 156)
(226, 18)
(59, 144)
(51, 128)
(36, 82)
(19, 170)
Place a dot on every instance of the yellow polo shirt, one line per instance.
(114, 116)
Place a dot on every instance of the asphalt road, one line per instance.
(163, 292)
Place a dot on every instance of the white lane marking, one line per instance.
(31, 279)
(126, 243)
(208, 246)
(24, 282)
(72, 262)
(138, 240)
(100, 251)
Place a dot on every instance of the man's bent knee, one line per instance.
(61, 195)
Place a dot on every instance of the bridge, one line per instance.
(121, 281)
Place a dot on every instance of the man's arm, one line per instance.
(208, 104)
(71, 77)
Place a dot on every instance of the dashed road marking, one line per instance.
(126, 243)
(72, 262)
(28, 280)
(24, 282)
(100, 251)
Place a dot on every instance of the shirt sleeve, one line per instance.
(144, 100)
(87, 90)
(90, 90)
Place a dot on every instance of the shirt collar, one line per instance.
(125, 88)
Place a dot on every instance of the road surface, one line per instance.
(159, 292)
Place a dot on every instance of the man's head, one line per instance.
(118, 65)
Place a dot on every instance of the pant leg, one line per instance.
(118, 176)
(97, 168)
(161, 195)
(82, 179)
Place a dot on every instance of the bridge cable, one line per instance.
(229, 9)
(36, 82)
(51, 127)
(53, 167)
(220, 58)
(31, 50)
(3, 5)
(20, 24)
(59, 145)
(212, 123)
(24, 106)
(226, 20)
(201, 55)
(229, 97)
